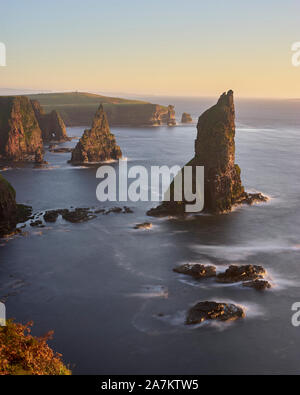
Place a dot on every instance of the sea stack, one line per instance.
(215, 150)
(171, 120)
(186, 118)
(97, 144)
(51, 125)
(20, 134)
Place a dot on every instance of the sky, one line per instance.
(152, 47)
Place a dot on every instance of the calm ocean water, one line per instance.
(109, 292)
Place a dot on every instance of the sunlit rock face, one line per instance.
(20, 134)
(215, 151)
(51, 125)
(97, 144)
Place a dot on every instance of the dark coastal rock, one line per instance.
(186, 118)
(259, 285)
(8, 207)
(37, 224)
(51, 125)
(215, 150)
(51, 216)
(97, 144)
(20, 134)
(11, 213)
(241, 273)
(204, 311)
(145, 225)
(197, 270)
(77, 215)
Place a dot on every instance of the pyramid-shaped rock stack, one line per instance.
(97, 144)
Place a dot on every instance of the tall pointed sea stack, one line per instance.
(52, 125)
(97, 144)
(20, 134)
(215, 150)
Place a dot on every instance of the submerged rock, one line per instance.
(20, 134)
(259, 285)
(215, 151)
(97, 144)
(145, 225)
(186, 118)
(236, 274)
(204, 311)
(197, 270)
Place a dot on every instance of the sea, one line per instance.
(109, 291)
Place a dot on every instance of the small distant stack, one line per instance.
(186, 118)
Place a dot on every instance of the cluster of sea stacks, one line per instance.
(24, 127)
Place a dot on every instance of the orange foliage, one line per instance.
(23, 354)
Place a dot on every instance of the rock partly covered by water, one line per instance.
(20, 133)
(204, 311)
(97, 144)
(236, 274)
(215, 150)
(144, 225)
(186, 118)
(51, 125)
(196, 270)
(259, 285)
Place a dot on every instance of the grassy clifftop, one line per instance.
(78, 108)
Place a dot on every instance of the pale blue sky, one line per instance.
(188, 47)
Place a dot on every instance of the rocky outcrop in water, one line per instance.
(97, 144)
(215, 150)
(51, 125)
(205, 311)
(20, 134)
(11, 213)
(186, 118)
(236, 274)
(259, 285)
(197, 270)
(171, 120)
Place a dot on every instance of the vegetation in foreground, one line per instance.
(24, 354)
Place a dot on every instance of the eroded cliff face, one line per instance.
(97, 144)
(215, 150)
(20, 134)
(171, 120)
(51, 125)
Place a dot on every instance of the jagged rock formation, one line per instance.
(215, 150)
(20, 134)
(171, 120)
(204, 311)
(97, 144)
(186, 118)
(51, 125)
